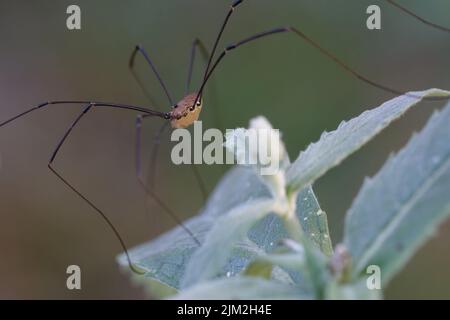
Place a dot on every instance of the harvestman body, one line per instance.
(187, 110)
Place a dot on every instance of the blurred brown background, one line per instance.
(44, 227)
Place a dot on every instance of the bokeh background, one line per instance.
(44, 227)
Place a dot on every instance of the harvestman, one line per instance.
(187, 110)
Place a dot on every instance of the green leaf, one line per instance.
(242, 288)
(166, 257)
(333, 147)
(402, 205)
(208, 261)
(314, 220)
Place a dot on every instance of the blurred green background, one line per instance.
(44, 227)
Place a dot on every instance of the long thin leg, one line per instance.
(166, 208)
(66, 135)
(94, 103)
(219, 36)
(191, 66)
(325, 52)
(196, 44)
(414, 15)
(139, 48)
(200, 182)
(76, 191)
(155, 151)
(157, 141)
(149, 190)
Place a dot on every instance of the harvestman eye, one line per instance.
(144, 113)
